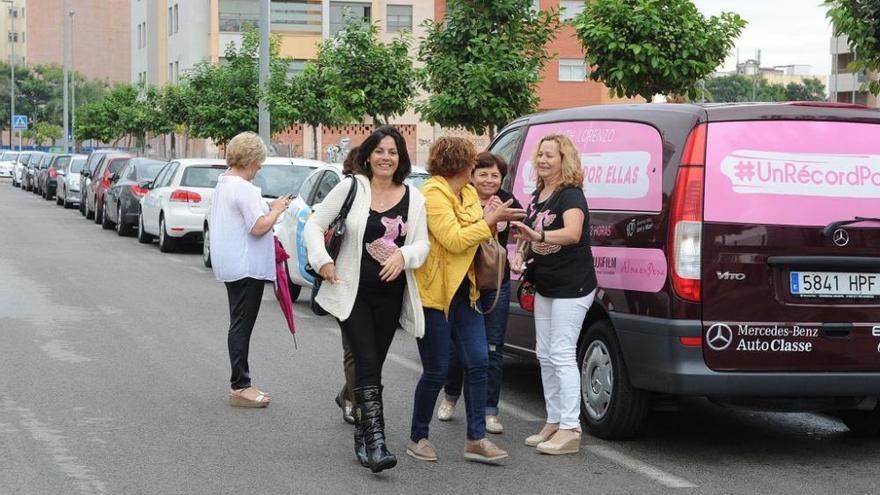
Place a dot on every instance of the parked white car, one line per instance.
(7, 164)
(279, 176)
(290, 226)
(174, 207)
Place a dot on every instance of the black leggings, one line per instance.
(245, 296)
(370, 329)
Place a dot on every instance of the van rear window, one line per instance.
(622, 163)
(792, 172)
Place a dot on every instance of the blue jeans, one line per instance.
(496, 327)
(465, 328)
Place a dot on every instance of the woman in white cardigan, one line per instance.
(370, 288)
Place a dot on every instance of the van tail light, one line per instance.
(686, 218)
(185, 196)
(691, 341)
(53, 173)
(138, 191)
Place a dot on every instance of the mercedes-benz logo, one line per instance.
(719, 337)
(840, 237)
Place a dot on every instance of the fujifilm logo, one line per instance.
(730, 276)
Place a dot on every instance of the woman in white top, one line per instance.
(370, 288)
(243, 254)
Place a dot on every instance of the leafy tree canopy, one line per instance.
(860, 21)
(739, 88)
(648, 47)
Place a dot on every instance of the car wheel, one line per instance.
(106, 224)
(610, 406)
(862, 423)
(90, 214)
(122, 229)
(143, 236)
(58, 200)
(99, 209)
(206, 247)
(166, 242)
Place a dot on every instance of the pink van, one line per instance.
(737, 249)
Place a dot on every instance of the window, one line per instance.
(572, 69)
(340, 11)
(536, 5)
(399, 18)
(176, 25)
(176, 71)
(235, 14)
(329, 180)
(570, 8)
(170, 72)
(297, 16)
(507, 144)
(307, 185)
(170, 27)
(139, 37)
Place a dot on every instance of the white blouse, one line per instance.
(235, 252)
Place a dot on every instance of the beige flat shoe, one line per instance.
(422, 451)
(562, 442)
(542, 436)
(236, 399)
(446, 410)
(493, 425)
(483, 451)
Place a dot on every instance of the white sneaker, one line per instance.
(493, 425)
(446, 409)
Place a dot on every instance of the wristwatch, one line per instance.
(542, 235)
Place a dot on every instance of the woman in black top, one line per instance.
(557, 234)
(486, 178)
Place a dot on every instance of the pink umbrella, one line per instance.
(282, 291)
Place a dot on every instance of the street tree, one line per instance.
(44, 131)
(483, 62)
(648, 47)
(739, 88)
(367, 76)
(224, 96)
(175, 101)
(858, 20)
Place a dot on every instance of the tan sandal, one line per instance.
(236, 399)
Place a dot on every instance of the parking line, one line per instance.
(197, 269)
(642, 468)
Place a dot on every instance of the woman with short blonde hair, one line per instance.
(243, 254)
(557, 235)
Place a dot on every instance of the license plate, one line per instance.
(835, 284)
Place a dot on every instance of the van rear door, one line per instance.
(779, 294)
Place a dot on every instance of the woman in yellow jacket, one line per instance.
(457, 224)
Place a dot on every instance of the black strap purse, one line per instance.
(333, 242)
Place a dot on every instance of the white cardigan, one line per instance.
(338, 299)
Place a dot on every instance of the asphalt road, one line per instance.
(114, 373)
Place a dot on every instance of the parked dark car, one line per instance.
(85, 177)
(30, 173)
(48, 177)
(42, 172)
(109, 165)
(736, 249)
(122, 200)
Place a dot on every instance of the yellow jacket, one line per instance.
(455, 230)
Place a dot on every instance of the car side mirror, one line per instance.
(114, 177)
(145, 184)
(84, 173)
(61, 173)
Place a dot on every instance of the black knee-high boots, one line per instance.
(369, 435)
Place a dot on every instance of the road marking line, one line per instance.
(197, 269)
(642, 468)
(176, 260)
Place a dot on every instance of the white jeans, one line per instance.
(558, 324)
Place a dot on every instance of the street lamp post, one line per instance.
(72, 91)
(66, 97)
(264, 129)
(12, 13)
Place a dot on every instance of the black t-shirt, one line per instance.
(561, 271)
(504, 227)
(384, 234)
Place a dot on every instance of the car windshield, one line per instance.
(149, 169)
(77, 165)
(9, 156)
(202, 176)
(278, 180)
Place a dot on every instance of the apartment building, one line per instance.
(100, 36)
(844, 85)
(12, 20)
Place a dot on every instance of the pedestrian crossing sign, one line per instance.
(19, 121)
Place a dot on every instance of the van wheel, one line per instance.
(862, 423)
(610, 406)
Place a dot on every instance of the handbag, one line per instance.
(525, 293)
(333, 242)
(489, 265)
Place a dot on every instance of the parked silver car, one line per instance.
(20, 166)
(7, 163)
(68, 193)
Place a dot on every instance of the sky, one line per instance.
(786, 31)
